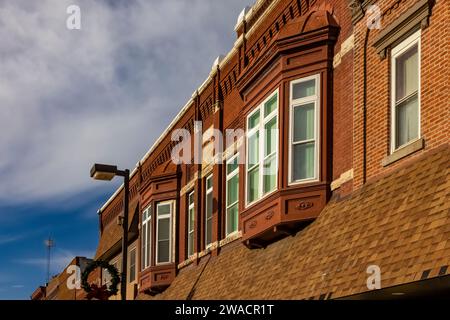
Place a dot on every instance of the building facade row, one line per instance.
(332, 97)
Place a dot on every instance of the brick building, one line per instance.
(63, 286)
(343, 166)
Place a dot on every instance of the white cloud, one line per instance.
(69, 98)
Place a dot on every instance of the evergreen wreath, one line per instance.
(102, 292)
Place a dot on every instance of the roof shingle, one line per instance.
(400, 222)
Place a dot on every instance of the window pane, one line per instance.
(407, 121)
(270, 174)
(304, 89)
(270, 136)
(191, 219)
(132, 275)
(209, 183)
(208, 231)
(253, 148)
(209, 205)
(163, 229)
(144, 243)
(191, 198)
(304, 122)
(253, 121)
(232, 190)
(232, 165)
(148, 245)
(163, 251)
(303, 161)
(190, 244)
(407, 73)
(232, 219)
(253, 184)
(270, 105)
(163, 209)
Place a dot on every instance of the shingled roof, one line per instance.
(400, 222)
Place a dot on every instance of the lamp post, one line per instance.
(108, 172)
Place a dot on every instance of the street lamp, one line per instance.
(107, 172)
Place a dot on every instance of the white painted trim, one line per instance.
(191, 206)
(230, 175)
(148, 242)
(316, 99)
(130, 249)
(165, 216)
(397, 51)
(262, 121)
(208, 191)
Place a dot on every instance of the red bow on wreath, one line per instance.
(99, 293)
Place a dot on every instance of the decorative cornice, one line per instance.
(414, 18)
(358, 8)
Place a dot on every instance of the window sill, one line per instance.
(403, 152)
(302, 182)
(188, 261)
(264, 197)
(208, 249)
(230, 238)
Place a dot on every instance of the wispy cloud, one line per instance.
(59, 259)
(11, 238)
(17, 286)
(100, 94)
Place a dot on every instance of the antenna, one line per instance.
(49, 243)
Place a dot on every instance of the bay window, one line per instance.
(208, 211)
(304, 129)
(164, 232)
(191, 220)
(232, 194)
(146, 238)
(262, 149)
(405, 86)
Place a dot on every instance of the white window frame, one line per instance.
(160, 217)
(207, 192)
(397, 51)
(191, 206)
(133, 248)
(295, 103)
(144, 239)
(229, 176)
(262, 122)
(114, 262)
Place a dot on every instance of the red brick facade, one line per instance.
(281, 41)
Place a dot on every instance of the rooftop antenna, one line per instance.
(49, 243)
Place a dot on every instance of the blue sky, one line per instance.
(69, 98)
